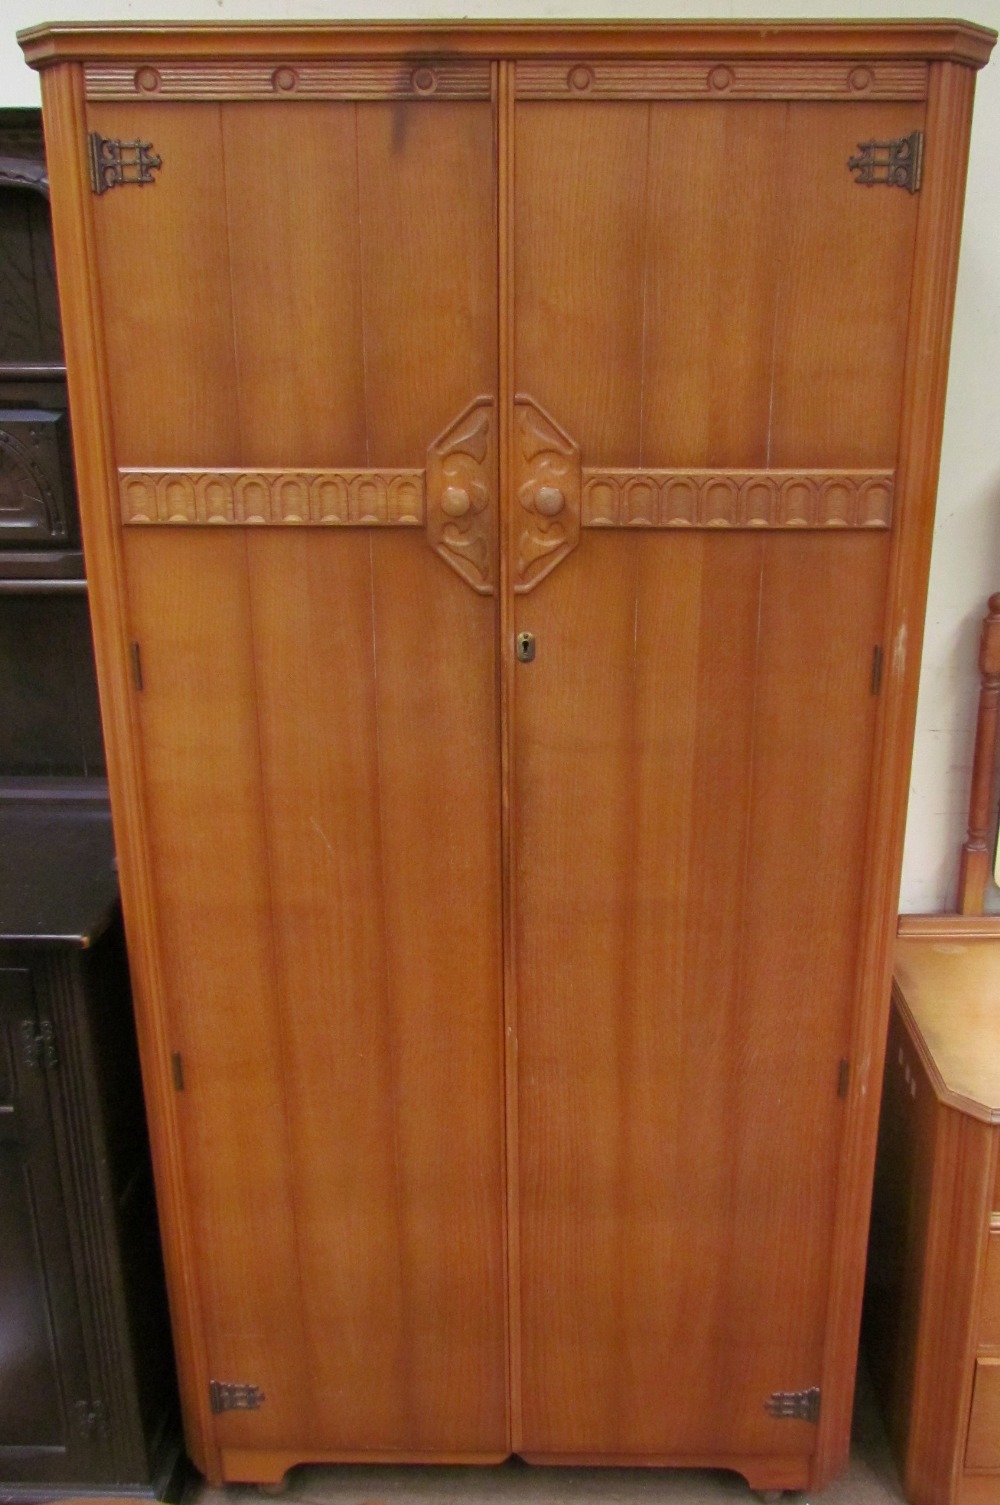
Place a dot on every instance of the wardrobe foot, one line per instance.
(279, 1487)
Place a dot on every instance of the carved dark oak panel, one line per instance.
(29, 309)
(34, 464)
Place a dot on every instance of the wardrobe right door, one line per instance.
(711, 315)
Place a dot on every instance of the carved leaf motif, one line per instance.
(548, 489)
(460, 471)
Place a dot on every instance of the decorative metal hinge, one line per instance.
(224, 1397)
(113, 163)
(895, 163)
(39, 1045)
(794, 1405)
(91, 1418)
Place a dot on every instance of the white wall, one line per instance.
(966, 563)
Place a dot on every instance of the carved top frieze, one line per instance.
(351, 78)
(708, 78)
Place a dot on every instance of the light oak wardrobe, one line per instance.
(507, 460)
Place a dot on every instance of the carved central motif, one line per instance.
(547, 481)
(461, 465)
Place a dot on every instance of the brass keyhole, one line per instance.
(525, 647)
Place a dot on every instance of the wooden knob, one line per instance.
(455, 501)
(549, 501)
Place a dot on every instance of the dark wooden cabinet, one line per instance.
(87, 1393)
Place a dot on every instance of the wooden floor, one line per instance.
(870, 1480)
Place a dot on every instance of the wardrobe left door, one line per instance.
(300, 324)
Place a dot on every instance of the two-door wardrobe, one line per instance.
(507, 460)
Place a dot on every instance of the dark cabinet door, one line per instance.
(47, 1426)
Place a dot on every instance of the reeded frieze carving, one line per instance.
(547, 491)
(461, 466)
(347, 78)
(741, 78)
(737, 498)
(353, 498)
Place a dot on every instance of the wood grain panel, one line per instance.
(712, 199)
(623, 1058)
(846, 261)
(169, 323)
(427, 189)
(635, 1179)
(378, 698)
(391, 1014)
(577, 251)
(297, 287)
(821, 611)
(428, 243)
(190, 608)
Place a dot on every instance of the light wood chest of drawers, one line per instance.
(933, 1306)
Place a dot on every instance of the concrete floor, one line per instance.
(870, 1480)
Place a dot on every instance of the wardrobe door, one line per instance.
(709, 336)
(300, 321)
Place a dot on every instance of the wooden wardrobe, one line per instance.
(507, 459)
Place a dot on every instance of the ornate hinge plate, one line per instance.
(895, 163)
(794, 1405)
(39, 1044)
(226, 1397)
(114, 163)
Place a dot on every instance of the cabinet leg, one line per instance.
(279, 1487)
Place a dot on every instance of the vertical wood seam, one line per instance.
(277, 982)
(780, 271)
(361, 298)
(230, 283)
(406, 1387)
(645, 278)
(505, 458)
